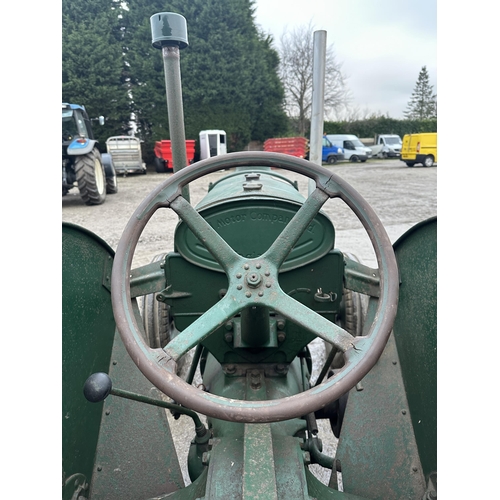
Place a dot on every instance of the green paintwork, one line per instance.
(377, 447)
(188, 301)
(135, 456)
(415, 330)
(87, 337)
(249, 210)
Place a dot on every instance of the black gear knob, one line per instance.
(97, 387)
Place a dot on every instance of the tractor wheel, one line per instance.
(160, 165)
(429, 161)
(158, 325)
(111, 185)
(90, 178)
(332, 160)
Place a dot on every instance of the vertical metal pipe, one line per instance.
(171, 63)
(318, 100)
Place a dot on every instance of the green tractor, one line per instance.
(254, 279)
(83, 166)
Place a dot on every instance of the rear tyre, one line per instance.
(91, 178)
(158, 326)
(429, 161)
(111, 185)
(159, 165)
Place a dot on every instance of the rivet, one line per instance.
(248, 294)
(238, 275)
(246, 266)
(261, 294)
(239, 287)
(99, 468)
(258, 266)
(107, 412)
(403, 412)
(267, 273)
(268, 284)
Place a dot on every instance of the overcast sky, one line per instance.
(382, 44)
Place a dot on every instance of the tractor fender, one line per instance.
(81, 146)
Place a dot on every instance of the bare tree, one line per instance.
(296, 73)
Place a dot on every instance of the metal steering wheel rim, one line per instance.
(159, 366)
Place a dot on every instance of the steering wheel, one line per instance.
(254, 282)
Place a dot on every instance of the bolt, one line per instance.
(228, 337)
(280, 368)
(281, 325)
(281, 336)
(228, 326)
(230, 369)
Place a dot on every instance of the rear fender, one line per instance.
(84, 147)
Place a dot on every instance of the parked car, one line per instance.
(354, 149)
(420, 148)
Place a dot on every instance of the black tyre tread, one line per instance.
(111, 185)
(85, 177)
(156, 322)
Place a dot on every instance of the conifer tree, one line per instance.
(423, 103)
(92, 64)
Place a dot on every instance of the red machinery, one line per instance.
(163, 155)
(295, 146)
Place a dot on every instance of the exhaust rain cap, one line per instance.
(168, 28)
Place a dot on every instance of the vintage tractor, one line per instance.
(82, 164)
(253, 280)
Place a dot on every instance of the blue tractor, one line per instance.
(83, 166)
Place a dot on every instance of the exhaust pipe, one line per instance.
(169, 33)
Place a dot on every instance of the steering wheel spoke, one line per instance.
(292, 232)
(313, 322)
(200, 329)
(213, 242)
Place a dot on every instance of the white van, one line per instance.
(212, 143)
(354, 149)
